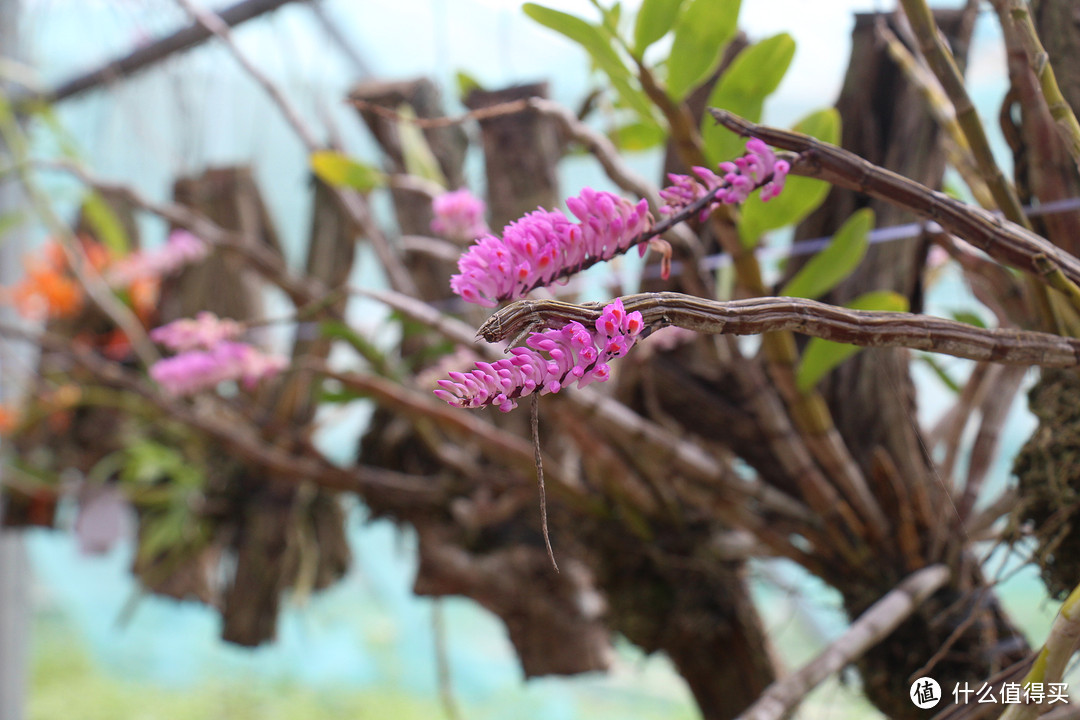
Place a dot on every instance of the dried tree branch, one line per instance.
(1003, 240)
(239, 438)
(301, 290)
(95, 286)
(995, 410)
(148, 55)
(352, 202)
(810, 317)
(872, 627)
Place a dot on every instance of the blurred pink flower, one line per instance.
(182, 248)
(205, 331)
(193, 371)
(459, 215)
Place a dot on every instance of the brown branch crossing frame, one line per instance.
(151, 54)
(770, 314)
(1002, 240)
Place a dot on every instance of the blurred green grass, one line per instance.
(65, 684)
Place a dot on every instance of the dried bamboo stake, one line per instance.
(1005, 241)
(1063, 115)
(870, 628)
(810, 317)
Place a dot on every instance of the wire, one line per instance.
(892, 233)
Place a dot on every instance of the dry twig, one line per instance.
(872, 627)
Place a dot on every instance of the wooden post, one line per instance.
(521, 154)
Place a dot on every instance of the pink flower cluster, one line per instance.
(758, 168)
(459, 215)
(204, 331)
(543, 245)
(553, 359)
(182, 248)
(208, 355)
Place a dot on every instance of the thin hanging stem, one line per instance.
(540, 479)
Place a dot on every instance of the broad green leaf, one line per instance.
(821, 356)
(801, 196)
(600, 49)
(339, 170)
(653, 21)
(415, 151)
(755, 73)
(638, 136)
(701, 32)
(839, 259)
(107, 228)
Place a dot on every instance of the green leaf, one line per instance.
(801, 196)
(839, 259)
(339, 394)
(612, 16)
(755, 73)
(107, 228)
(11, 220)
(942, 375)
(417, 154)
(600, 49)
(337, 330)
(967, 316)
(638, 136)
(466, 84)
(339, 170)
(161, 532)
(821, 356)
(701, 32)
(653, 21)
